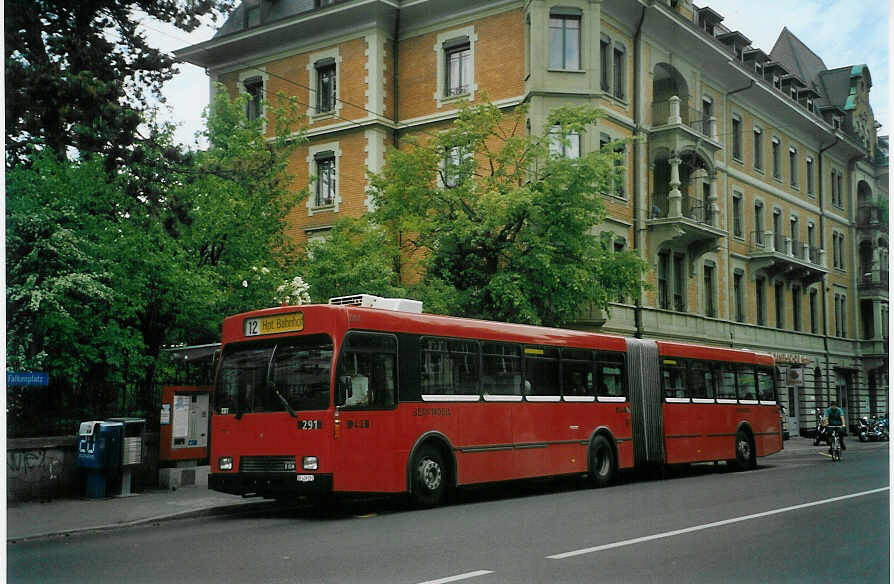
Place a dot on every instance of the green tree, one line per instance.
(503, 225)
(99, 280)
(79, 74)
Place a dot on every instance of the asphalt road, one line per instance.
(798, 518)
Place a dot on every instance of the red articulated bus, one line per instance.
(362, 396)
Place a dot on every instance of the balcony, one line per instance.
(682, 220)
(789, 258)
(873, 281)
(869, 216)
(678, 127)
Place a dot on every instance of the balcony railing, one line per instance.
(868, 215)
(674, 112)
(877, 278)
(764, 242)
(690, 209)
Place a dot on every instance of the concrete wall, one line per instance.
(46, 468)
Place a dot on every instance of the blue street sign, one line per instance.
(27, 379)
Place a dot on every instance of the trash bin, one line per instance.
(131, 449)
(99, 451)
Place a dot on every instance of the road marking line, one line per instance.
(627, 542)
(465, 576)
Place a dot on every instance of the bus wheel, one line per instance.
(602, 462)
(429, 477)
(745, 457)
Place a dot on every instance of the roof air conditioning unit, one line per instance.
(370, 301)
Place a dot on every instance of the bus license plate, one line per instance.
(305, 478)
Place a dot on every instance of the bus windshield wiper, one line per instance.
(272, 386)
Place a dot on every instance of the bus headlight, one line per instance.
(225, 463)
(310, 463)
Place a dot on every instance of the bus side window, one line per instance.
(674, 376)
(747, 383)
(367, 371)
(610, 375)
(766, 391)
(701, 380)
(726, 388)
(577, 372)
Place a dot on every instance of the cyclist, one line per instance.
(835, 417)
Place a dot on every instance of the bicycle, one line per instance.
(834, 443)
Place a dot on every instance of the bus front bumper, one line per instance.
(271, 485)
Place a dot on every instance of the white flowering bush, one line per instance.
(294, 291)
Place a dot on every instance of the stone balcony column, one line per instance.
(769, 241)
(713, 204)
(805, 249)
(673, 116)
(675, 197)
(712, 126)
(788, 246)
(821, 257)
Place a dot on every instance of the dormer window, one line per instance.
(777, 82)
(795, 93)
(252, 13)
(758, 68)
(836, 122)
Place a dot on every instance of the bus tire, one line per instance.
(602, 463)
(745, 455)
(429, 476)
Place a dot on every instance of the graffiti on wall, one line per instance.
(29, 469)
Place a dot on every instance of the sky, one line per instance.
(841, 32)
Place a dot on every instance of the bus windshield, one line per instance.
(287, 375)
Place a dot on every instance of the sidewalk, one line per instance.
(69, 516)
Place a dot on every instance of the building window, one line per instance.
(325, 85)
(457, 166)
(795, 231)
(605, 63)
(796, 308)
(564, 40)
(737, 138)
(324, 194)
(758, 149)
(808, 163)
(832, 187)
(679, 283)
(760, 301)
(739, 295)
(759, 223)
(458, 66)
(840, 180)
(252, 13)
(254, 87)
(780, 305)
(563, 145)
(663, 267)
(710, 309)
(840, 302)
(738, 227)
(814, 325)
(838, 250)
(793, 166)
(777, 158)
(618, 70)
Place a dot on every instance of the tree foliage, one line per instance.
(100, 280)
(493, 224)
(79, 74)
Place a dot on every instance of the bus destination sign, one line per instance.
(268, 325)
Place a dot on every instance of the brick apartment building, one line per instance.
(757, 190)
